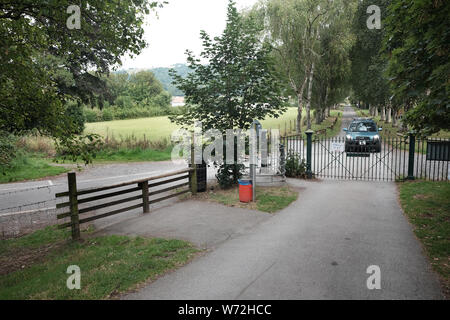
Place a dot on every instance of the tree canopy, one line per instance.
(310, 40)
(44, 63)
(370, 85)
(237, 83)
(417, 48)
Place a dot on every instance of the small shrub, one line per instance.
(107, 115)
(118, 113)
(162, 100)
(74, 112)
(295, 166)
(92, 115)
(229, 174)
(79, 147)
(124, 102)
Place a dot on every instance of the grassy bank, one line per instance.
(427, 206)
(34, 266)
(30, 167)
(133, 155)
(328, 122)
(268, 199)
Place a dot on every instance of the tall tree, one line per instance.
(333, 71)
(144, 86)
(237, 85)
(44, 63)
(369, 83)
(417, 45)
(294, 28)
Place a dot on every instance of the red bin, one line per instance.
(245, 191)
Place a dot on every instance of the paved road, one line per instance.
(318, 248)
(347, 117)
(25, 207)
(20, 195)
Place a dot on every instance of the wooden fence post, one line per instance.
(145, 200)
(193, 173)
(73, 200)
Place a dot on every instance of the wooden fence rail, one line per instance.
(143, 185)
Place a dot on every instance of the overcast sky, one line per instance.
(177, 28)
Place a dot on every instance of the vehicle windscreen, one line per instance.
(363, 127)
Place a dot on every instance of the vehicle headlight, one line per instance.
(348, 137)
(376, 137)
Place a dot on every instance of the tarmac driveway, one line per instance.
(318, 248)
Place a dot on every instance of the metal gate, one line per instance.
(395, 159)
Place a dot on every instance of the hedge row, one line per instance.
(114, 113)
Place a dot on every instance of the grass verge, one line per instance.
(29, 168)
(427, 206)
(35, 266)
(268, 199)
(289, 127)
(330, 133)
(133, 155)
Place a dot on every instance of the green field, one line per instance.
(160, 127)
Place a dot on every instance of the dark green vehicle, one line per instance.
(363, 136)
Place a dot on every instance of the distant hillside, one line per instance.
(162, 74)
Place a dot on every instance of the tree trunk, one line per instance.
(389, 114)
(318, 116)
(383, 113)
(394, 118)
(326, 109)
(300, 105)
(299, 114)
(375, 111)
(308, 104)
(405, 110)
